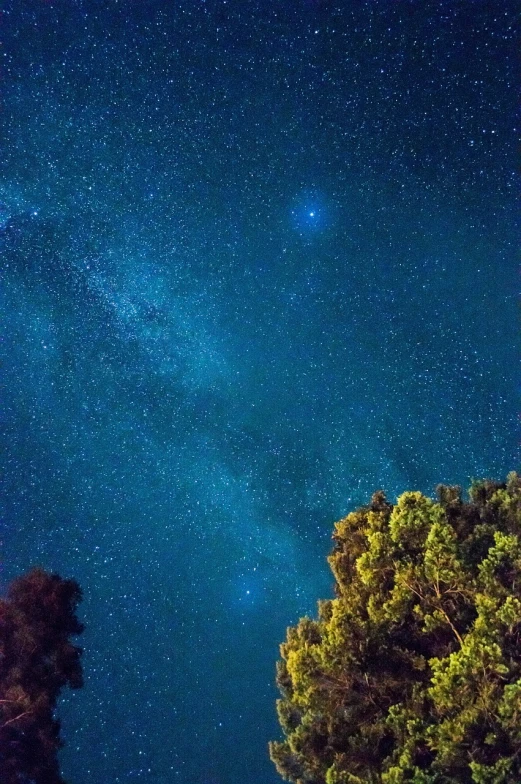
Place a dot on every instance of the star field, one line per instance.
(258, 261)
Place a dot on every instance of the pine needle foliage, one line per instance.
(413, 672)
(37, 660)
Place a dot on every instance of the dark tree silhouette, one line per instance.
(413, 672)
(37, 660)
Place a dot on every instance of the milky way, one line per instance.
(258, 261)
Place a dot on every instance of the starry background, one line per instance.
(258, 261)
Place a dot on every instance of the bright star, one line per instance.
(311, 214)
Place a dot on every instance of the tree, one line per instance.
(413, 672)
(37, 660)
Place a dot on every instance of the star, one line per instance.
(215, 353)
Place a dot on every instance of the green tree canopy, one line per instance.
(413, 672)
(37, 660)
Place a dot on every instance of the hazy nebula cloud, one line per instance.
(258, 262)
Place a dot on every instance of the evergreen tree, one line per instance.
(37, 660)
(413, 672)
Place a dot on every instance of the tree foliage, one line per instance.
(413, 672)
(37, 660)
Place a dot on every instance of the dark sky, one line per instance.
(258, 261)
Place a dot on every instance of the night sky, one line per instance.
(258, 261)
